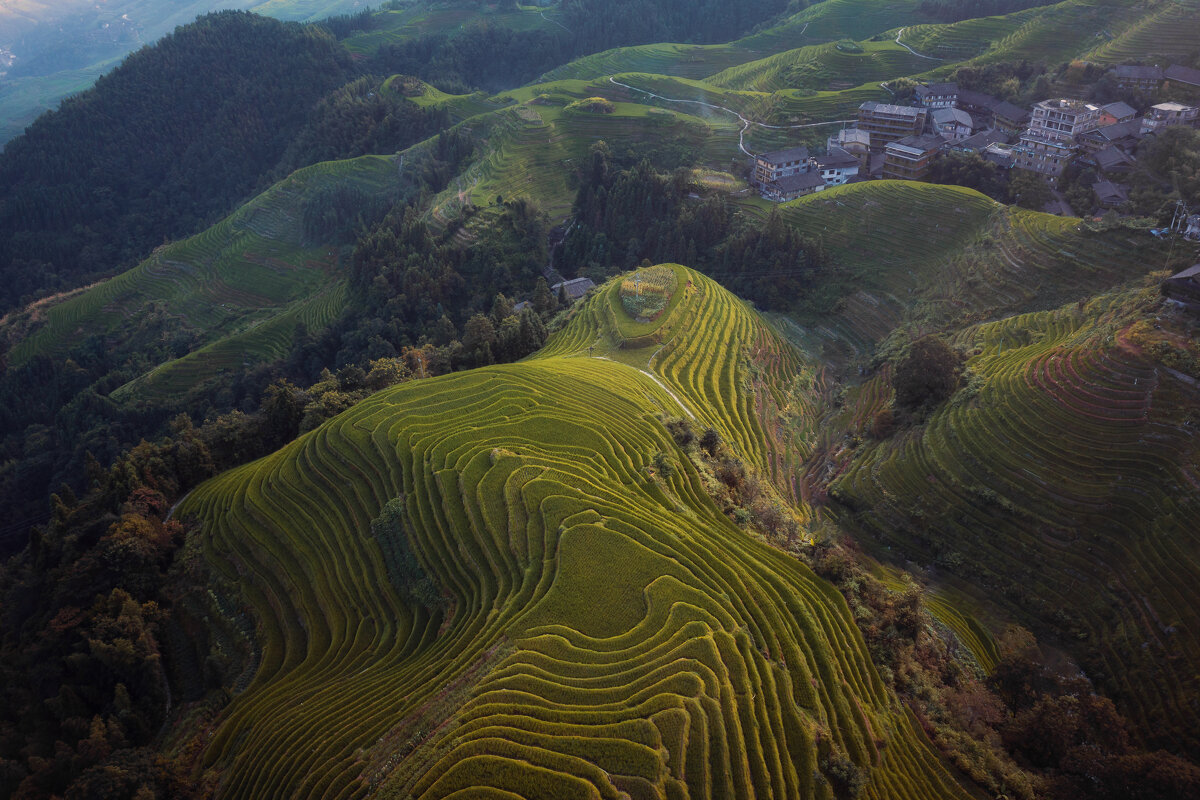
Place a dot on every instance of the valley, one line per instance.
(491, 429)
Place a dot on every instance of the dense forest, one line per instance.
(625, 216)
(161, 147)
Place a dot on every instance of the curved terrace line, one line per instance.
(746, 123)
(899, 33)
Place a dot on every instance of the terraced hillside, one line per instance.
(511, 582)
(925, 257)
(254, 270)
(1062, 487)
(534, 147)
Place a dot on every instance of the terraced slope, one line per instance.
(1167, 30)
(1064, 489)
(935, 257)
(534, 147)
(253, 270)
(823, 67)
(487, 585)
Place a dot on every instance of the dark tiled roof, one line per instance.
(936, 89)
(783, 156)
(1183, 74)
(795, 183)
(1119, 130)
(982, 140)
(1119, 110)
(1191, 272)
(973, 98)
(1005, 109)
(1109, 192)
(1131, 72)
(925, 142)
(945, 115)
(836, 157)
(576, 288)
(1112, 158)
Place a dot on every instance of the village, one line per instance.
(1096, 144)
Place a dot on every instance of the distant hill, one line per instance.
(60, 48)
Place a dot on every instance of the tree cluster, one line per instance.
(160, 147)
(624, 216)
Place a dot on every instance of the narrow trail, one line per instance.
(914, 52)
(171, 513)
(661, 385)
(556, 22)
(746, 123)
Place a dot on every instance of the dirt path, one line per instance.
(914, 52)
(661, 385)
(746, 123)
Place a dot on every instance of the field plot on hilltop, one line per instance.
(534, 148)
(487, 582)
(1075, 452)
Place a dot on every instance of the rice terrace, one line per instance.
(623, 400)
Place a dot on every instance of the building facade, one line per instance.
(770, 167)
(837, 167)
(1063, 119)
(953, 124)
(1045, 156)
(909, 159)
(936, 95)
(1164, 115)
(886, 123)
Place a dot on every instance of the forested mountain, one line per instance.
(311, 486)
(161, 147)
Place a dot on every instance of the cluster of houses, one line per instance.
(900, 142)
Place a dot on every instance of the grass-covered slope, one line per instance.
(256, 271)
(1061, 486)
(510, 582)
(929, 257)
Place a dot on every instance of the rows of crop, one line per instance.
(1069, 458)
(823, 67)
(598, 628)
(242, 283)
(678, 60)
(934, 256)
(1169, 30)
(832, 20)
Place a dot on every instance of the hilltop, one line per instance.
(484, 620)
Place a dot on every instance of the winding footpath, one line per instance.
(746, 123)
(909, 49)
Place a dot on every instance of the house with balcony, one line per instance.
(1166, 115)
(886, 123)
(909, 159)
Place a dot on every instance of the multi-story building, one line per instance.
(770, 167)
(1164, 115)
(908, 159)
(1182, 77)
(837, 166)
(1063, 119)
(790, 187)
(1144, 79)
(936, 95)
(1116, 112)
(953, 124)
(855, 142)
(1009, 118)
(887, 123)
(1046, 156)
